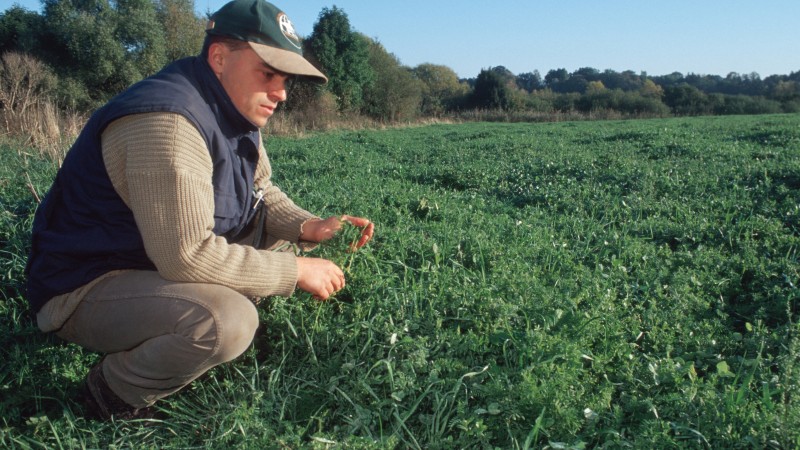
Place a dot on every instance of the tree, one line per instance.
(395, 94)
(19, 30)
(555, 76)
(344, 57)
(651, 90)
(626, 81)
(786, 90)
(141, 36)
(596, 97)
(577, 81)
(82, 45)
(505, 75)
(595, 87)
(98, 49)
(665, 81)
(587, 73)
(441, 89)
(491, 92)
(529, 81)
(183, 30)
(685, 99)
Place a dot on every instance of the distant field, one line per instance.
(571, 285)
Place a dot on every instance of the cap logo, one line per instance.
(288, 30)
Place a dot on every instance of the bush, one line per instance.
(491, 92)
(307, 111)
(24, 85)
(743, 104)
(791, 106)
(27, 109)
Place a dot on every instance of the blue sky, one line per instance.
(688, 36)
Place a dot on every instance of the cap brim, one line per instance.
(288, 62)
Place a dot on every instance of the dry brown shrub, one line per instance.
(26, 110)
(317, 113)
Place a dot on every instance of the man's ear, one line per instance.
(216, 56)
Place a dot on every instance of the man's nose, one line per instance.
(278, 95)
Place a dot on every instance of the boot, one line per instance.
(103, 404)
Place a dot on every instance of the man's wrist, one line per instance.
(308, 230)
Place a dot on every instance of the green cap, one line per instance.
(268, 31)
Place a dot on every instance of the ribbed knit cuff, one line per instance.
(283, 272)
(287, 224)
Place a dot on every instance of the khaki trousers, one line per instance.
(160, 335)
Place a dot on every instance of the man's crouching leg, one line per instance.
(157, 335)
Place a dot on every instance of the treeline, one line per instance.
(588, 89)
(76, 54)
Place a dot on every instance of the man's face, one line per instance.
(255, 88)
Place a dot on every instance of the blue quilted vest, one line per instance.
(83, 229)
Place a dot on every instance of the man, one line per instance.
(162, 223)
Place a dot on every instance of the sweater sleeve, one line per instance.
(284, 218)
(161, 168)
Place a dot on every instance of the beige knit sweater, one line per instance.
(161, 168)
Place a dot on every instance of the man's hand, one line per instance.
(319, 230)
(319, 277)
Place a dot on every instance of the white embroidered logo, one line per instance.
(288, 29)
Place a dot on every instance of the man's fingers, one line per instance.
(357, 221)
(319, 277)
(366, 234)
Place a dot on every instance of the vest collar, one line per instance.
(231, 120)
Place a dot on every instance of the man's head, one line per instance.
(253, 50)
(268, 31)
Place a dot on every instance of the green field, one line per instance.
(627, 284)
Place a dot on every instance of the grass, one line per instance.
(571, 285)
